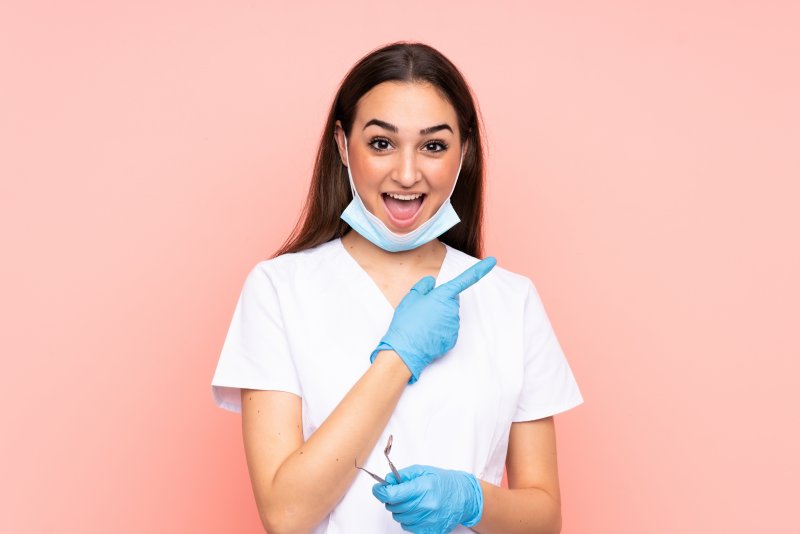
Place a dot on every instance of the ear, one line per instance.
(338, 135)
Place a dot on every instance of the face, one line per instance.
(404, 142)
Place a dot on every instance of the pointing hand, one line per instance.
(426, 322)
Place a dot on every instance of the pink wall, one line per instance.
(643, 171)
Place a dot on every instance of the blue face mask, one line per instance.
(372, 228)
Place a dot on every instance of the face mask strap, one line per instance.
(458, 173)
(349, 175)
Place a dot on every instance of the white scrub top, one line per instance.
(307, 322)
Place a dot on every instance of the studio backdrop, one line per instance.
(642, 171)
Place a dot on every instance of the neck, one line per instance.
(431, 252)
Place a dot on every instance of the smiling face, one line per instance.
(404, 142)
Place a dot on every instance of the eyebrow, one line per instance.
(395, 129)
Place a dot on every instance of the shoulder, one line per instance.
(500, 281)
(501, 289)
(291, 268)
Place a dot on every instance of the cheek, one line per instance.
(372, 170)
(441, 178)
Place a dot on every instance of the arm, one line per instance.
(297, 484)
(532, 502)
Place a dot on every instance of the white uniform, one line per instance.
(307, 322)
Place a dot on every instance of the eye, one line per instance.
(379, 144)
(436, 145)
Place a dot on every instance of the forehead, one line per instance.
(408, 105)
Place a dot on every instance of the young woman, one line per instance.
(377, 319)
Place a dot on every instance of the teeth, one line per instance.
(404, 197)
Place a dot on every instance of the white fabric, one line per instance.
(307, 322)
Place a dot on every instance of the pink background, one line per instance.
(643, 171)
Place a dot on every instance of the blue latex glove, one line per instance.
(429, 500)
(425, 323)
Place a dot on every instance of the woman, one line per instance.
(365, 325)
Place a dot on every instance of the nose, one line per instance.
(408, 173)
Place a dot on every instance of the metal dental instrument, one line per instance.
(385, 453)
(373, 475)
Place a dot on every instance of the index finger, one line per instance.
(467, 278)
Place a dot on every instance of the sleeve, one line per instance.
(548, 386)
(255, 354)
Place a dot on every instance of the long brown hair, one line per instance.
(329, 192)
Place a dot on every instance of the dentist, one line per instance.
(378, 318)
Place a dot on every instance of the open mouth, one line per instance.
(403, 213)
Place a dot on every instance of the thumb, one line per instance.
(424, 285)
(413, 471)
